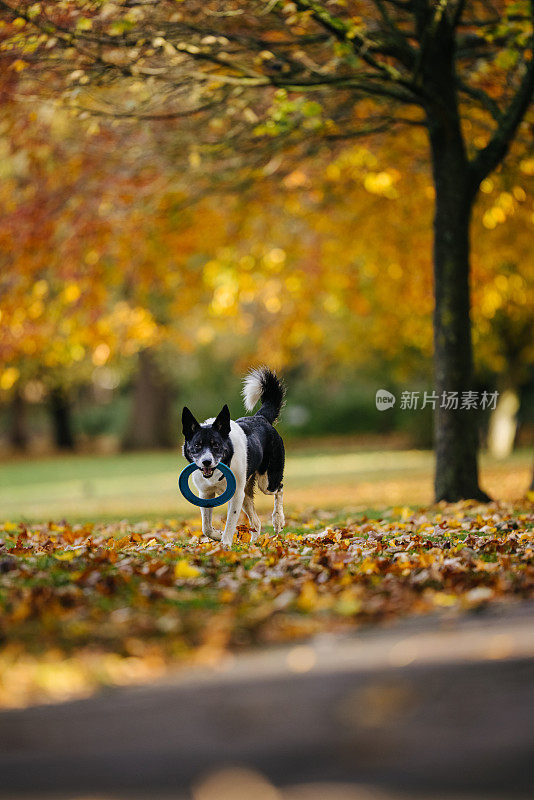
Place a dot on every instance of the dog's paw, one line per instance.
(215, 536)
(278, 521)
(255, 531)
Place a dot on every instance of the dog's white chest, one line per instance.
(213, 482)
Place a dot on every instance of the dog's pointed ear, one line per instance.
(222, 422)
(189, 424)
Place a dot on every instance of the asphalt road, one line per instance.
(425, 708)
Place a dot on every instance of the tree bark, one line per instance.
(456, 436)
(455, 429)
(18, 430)
(150, 423)
(60, 409)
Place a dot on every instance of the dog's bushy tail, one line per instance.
(262, 384)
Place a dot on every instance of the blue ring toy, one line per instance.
(206, 502)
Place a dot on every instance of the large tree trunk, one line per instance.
(60, 410)
(150, 423)
(456, 438)
(18, 430)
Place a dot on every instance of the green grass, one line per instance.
(144, 485)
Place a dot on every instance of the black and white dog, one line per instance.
(250, 446)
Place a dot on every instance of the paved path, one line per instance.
(429, 706)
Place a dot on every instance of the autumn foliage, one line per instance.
(84, 605)
(103, 256)
(101, 259)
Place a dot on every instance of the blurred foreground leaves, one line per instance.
(90, 605)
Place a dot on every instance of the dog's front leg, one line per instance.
(206, 492)
(207, 529)
(234, 509)
(207, 515)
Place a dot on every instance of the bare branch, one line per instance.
(483, 98)
(458, 12)
(380, 126)
(363, 47)
(491, 156)
(98, 112)
(403, 50)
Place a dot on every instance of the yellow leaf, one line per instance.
(151, 543)
(368, 566)
(84, 24)
(444, 600)
(10, 526)
(21, 612)
(308, 598)
(527, 166)
(183, 569)
(19, 65)
(71, 293)
(426, 559)
(348, 604)
(404, 512)
(8, 378)
(67, 556)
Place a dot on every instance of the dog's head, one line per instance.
(206, 444)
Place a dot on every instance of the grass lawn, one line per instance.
(144, 485)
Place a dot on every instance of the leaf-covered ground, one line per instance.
(89, 605)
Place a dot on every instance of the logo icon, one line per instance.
(384, 399)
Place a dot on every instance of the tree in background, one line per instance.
(60, 297)
(304, 289)
(97, 259)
